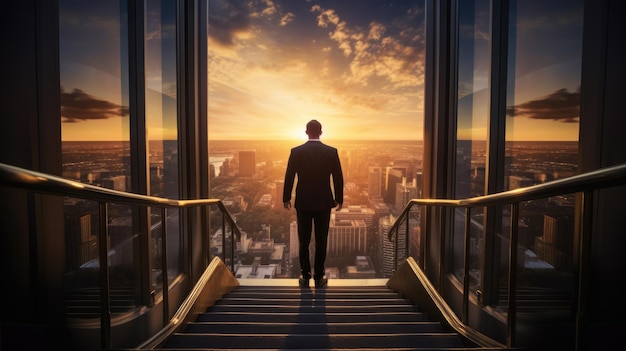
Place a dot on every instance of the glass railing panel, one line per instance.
(415, 225)
(82, 278)
(171, 233)
(156, 249)
(174, 243)
(123, 257)
(220, 234)
(475, 243)
(544, 290)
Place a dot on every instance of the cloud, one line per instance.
(226, 21)
(286, 19)
(559, 106)
(393, 52)
(79, 106)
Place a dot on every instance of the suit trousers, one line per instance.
(307, 221)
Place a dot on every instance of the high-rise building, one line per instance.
(276, 189)
(388, 248)
(225, 169)
(247, 163)
(356, 212)
(394, 176)
(404, 193)
(556, 242)
(375, 184)
(347, 237)
(293, 240)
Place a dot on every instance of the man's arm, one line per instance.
(290, 175)
(338, 182)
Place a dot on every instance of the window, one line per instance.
(359, 70)
(472, 124)
(162, 126)
(95, 135)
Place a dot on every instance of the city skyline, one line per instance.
(250, 188)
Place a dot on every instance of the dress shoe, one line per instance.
(303, 283)
(321, 283)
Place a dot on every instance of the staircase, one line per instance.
(85, 303)
(292, 318)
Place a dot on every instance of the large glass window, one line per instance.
(162, 128)
(472, 123)
(95, 141)
(542, 125)
(358, 68)
(96, 137)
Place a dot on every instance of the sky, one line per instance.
(275, 65)
(357, 66)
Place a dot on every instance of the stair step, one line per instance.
(312, 309)
(286, 317)
(316, 341)
(314, 328)
(313, 317)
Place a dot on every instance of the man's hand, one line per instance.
(338, 206)
(287, 205)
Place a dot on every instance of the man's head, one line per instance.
(313, 129)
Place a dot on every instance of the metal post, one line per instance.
(466, 264)
(395, 251)
(406, 236)
(232, 248)
(511, 317)
(224, 237)
(166, 316)
(103, 250)
(584, 247)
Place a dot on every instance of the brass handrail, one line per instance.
(29, 180)
(601, 178)
(585, 183)
(49, 184)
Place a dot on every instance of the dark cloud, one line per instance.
(225, 20)
(559, 106)
(79, 106)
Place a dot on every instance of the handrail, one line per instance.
(586, 182)
(601, 178)
(29, 180)
(46, 183)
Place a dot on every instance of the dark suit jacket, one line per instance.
(314, 163)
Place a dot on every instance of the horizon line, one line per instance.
(304, 139)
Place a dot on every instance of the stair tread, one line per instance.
(342, 317)
(317, 341)
(312, 328)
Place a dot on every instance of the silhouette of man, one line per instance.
(314, 163)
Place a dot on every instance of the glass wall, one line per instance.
(542, 126)
(472, 124)
(542, 85)
(162, 128)
(96, 138)
(95, 142)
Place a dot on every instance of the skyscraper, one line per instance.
(247, 163)
(374, 187)
(404, 193)
(387, 247)
(347, 237)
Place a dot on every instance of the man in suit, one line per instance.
(314, 163)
